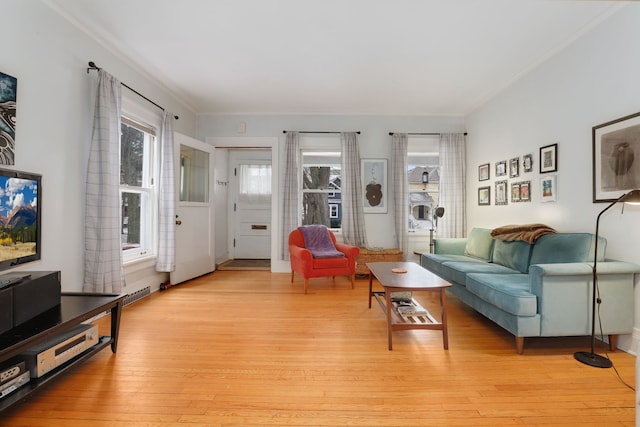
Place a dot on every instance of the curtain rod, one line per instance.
(93, 66)
(421, 133)
(311, 131)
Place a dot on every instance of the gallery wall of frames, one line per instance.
(512, 178)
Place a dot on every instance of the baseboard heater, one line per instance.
(135, 296)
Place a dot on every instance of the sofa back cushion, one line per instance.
(514, 255)
(479, 244)
(567, 247)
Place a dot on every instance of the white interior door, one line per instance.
(194, 209)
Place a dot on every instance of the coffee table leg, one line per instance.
(387, 298)
(445, 334)
(370, 287)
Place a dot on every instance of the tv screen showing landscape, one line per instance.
(19, 218)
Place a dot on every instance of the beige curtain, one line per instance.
(400, 185)
(452, 185)
(353, 229)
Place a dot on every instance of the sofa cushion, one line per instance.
(479, 244)
(509, 292)
(433, 262)
(566, 247)
(457, 271)
(514, 255)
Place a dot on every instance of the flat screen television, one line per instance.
(20, 217)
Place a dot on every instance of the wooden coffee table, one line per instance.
(415, 279)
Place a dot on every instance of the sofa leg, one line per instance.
(613, 342)
(519, 344)
(306, 284)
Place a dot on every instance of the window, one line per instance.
(255, 184)
(423, 156)
(137, 192)
(321, 188)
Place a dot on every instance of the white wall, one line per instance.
(590, 82)
(374, 141)
(49, 57)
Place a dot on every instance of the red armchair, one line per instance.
(303, 263)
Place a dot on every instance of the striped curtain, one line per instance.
(167, 199)
(103, 270)
(353, 229)
(290, 219)
(452, 185)
(400, 143)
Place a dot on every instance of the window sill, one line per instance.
(138, 264)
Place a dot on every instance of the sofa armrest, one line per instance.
(564, 296)
(449, 245)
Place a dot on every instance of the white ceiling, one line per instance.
(389, 57)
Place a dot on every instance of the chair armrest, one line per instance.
(349, 251)
(450, 245)
(300, 253)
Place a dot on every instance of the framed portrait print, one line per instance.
(514, 167)
(501, 168)
(548, 188)
(374, 183)
(527, 163)
(549, 158)
(484, 196)
(616, 156)
(8, 97)
(483, 172)
(515, 192)
(501, 193)
(525, 191)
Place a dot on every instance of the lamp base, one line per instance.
(592, 359)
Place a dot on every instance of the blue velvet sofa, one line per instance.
(542, 289)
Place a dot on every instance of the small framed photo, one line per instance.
(374, 183)
(514, 167)
(483, 172)
(501, 168)
(549, 158)
(616, 149)
(525, 191)
(548, 188)
(501, 192)
(527, 163)
(515, 192)
(484, 196)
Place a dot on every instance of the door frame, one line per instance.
(277, 265)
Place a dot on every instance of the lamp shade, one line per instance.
(632, 197)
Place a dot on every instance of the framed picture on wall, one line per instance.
(514, 167)
(484, 196)
(515, 192)
(616, 158)
(527, 163)
(548, 188)
(483, 172)
(549, 158)
(501, 168)
(525, 191)
(374, 183)
(501, 193)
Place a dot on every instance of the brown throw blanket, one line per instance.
(526, 232)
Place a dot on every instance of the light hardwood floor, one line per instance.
(248, 349)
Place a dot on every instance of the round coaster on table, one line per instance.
(399, 270)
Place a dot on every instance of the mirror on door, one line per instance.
(194, 175)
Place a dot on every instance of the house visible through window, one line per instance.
(137, 192)
(321, 188)
(423, 156)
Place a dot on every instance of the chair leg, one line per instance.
(292, 277)
(306, 284)
(353, 281)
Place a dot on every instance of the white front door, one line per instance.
(251, 207)
(194, 209)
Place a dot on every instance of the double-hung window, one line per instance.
(423, 173)
(137, 189)
(322, 183)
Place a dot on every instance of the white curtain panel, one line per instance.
(353, 229)
(400, 185)
(103, 254)
(290, 220)
(452, 186)
(167, 199)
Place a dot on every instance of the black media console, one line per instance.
(72, 310)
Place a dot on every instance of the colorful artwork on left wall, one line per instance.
(8, 96)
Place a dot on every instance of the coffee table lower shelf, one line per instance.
(403, 322)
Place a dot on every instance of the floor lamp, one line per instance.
(591, 358)
(437, 213)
